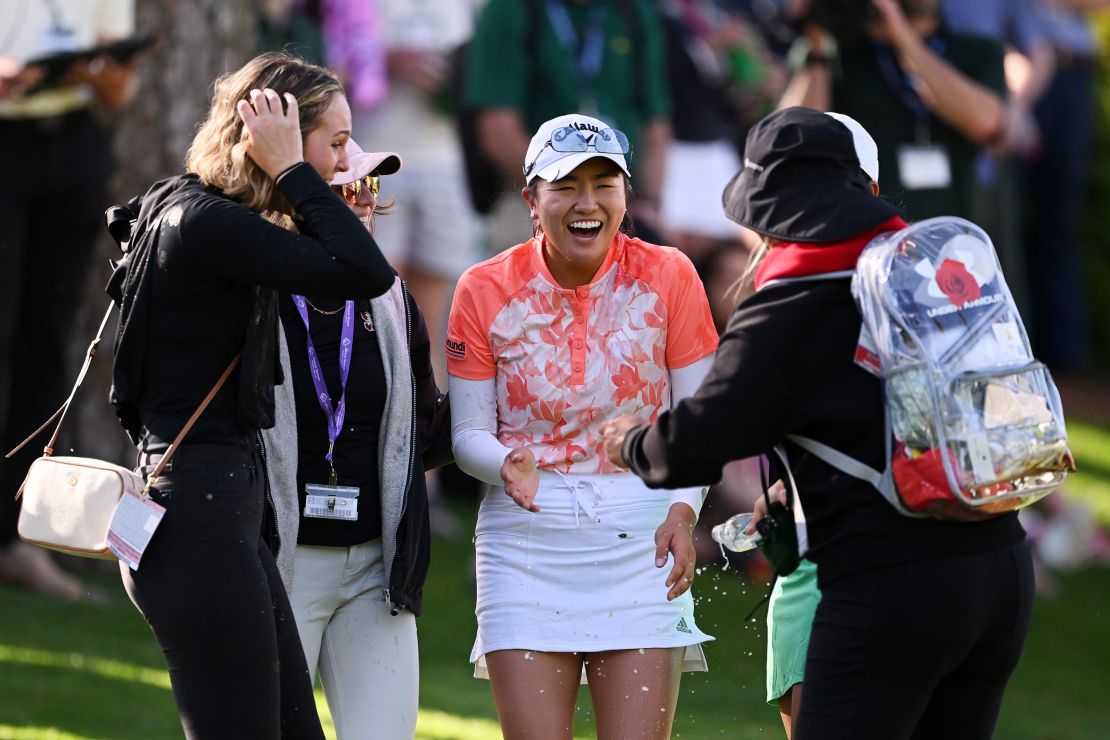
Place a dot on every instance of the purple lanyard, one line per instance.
(346, 342)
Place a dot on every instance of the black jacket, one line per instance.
(199, 288)
(785, 366)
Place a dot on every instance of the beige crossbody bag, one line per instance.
(68, 502)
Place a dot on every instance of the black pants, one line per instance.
(208, 587)
(52, 201)
(922, 650)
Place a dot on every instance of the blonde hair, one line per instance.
(218, 154)
(738, 290)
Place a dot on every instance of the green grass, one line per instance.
(1091, 481)
(76, 672)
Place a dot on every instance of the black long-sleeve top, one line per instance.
(785, 366)
(193, 300)
(356, 451)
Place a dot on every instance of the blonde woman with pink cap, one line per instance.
(358, 420)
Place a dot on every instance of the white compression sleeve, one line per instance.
(474, 426)
(684, 381)
(474, 429)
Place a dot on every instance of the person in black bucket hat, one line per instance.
(802, 180)
(920, 622)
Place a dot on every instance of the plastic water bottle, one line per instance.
(731, 534)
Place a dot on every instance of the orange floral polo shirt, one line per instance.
(565, 360)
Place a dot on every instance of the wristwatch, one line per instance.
(802, 54)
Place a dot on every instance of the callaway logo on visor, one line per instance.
(572, 140)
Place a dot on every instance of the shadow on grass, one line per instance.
(88, 704)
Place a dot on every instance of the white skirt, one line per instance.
(579, 575)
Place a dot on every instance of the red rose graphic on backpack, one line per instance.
(956, 282)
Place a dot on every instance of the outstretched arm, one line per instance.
(736, 413)
(965, 105)
(685, 381)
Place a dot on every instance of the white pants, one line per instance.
(367, 658)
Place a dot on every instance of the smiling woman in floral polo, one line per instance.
(582, 571)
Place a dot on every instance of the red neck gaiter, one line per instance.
(798, 260)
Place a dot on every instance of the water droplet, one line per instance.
(641, 651)
(528, 655)
(644, 688)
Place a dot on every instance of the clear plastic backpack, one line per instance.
(975, 426)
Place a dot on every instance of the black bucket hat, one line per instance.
(801, 181)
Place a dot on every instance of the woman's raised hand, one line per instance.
(272, 136)
(521, 478)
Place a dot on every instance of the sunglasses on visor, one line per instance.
(352, 191)
(569, 140)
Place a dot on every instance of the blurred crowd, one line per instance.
(982, 109)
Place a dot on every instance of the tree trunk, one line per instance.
(197, 40)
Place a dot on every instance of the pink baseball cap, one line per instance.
(361, 164)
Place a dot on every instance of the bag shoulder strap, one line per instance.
(60, 414)
(800, 526)
(153, 477)
(883, 482)
(836, 275)
(844, 463)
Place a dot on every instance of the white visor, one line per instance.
(867, 151)
(542, 160)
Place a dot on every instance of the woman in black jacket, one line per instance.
(355, 566)
(921, 622)
(201, 289)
